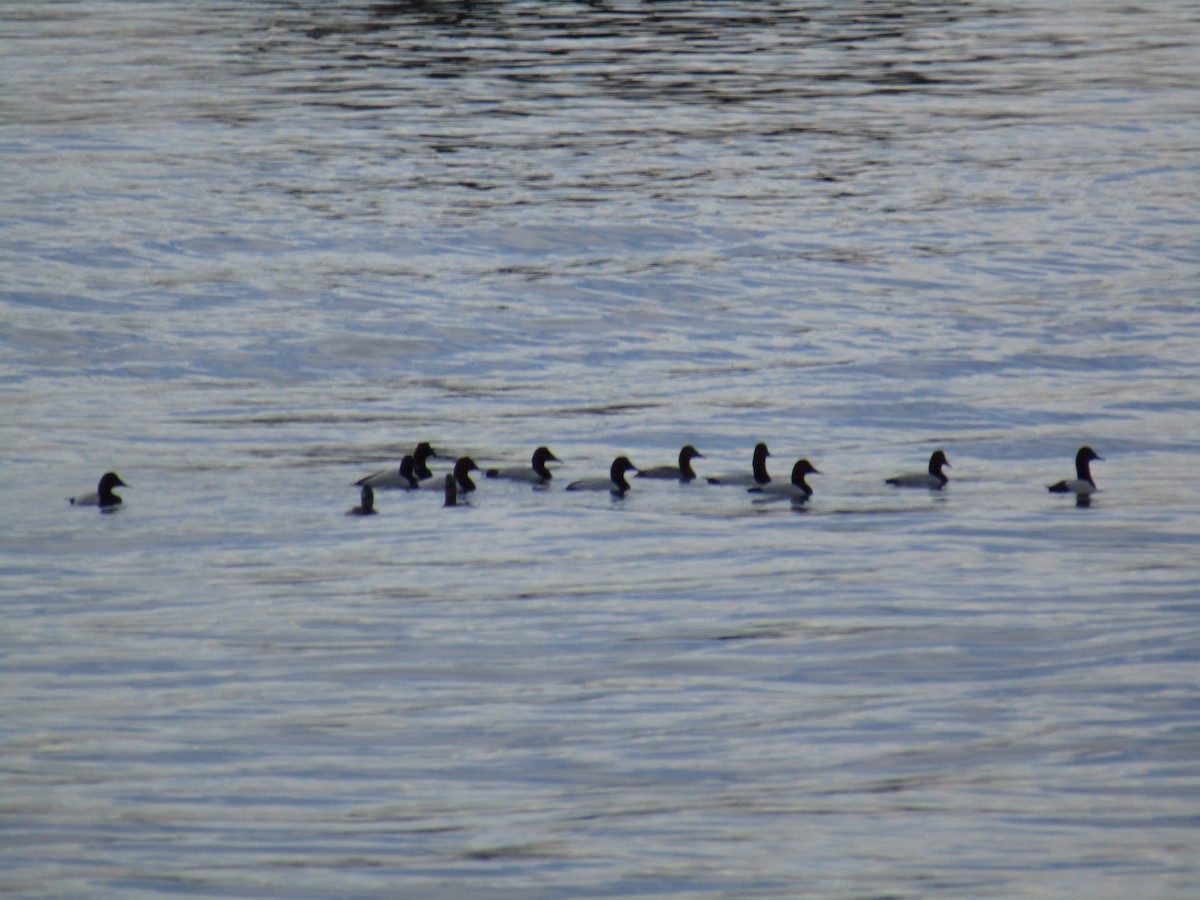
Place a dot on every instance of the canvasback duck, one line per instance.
(798, 491)
(1082, 485)
(536, 473)
(933, 479)
(421, 455)
(401, 479)
(366, 506)
(450, 490)
(103, 495)
(463, 467)
(615, 483)
(682, 472)
(758, 473)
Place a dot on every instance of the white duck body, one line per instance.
(615, 483)
(401, 479)
(797, 490)
(535, 473)
(103, 496)
(758, 471)
(933, 479)
(1082, 485)
(682, 472)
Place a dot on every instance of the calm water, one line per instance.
(252, 251)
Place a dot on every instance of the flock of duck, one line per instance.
(414, 474)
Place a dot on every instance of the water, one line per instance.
(254, 251)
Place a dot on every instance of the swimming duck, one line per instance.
(463, 468)
(537, 474)
(420, 456)
(798, 491)
(758, 470)
(1082, 485)
(682, 472)
(614, 483)
(933, 479)
(103, 496)
(367, 507)
(399, 479)
(450, 487)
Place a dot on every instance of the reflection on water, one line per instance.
(253, 251)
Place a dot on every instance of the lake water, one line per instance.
(252, 251)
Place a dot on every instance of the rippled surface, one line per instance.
(253, 251)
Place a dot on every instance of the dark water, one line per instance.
(254, 251)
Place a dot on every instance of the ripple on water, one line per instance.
(253, 253)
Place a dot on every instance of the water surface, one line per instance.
(254, 251)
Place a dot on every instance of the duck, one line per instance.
(103, 496)
(798, 491)
(367, 504)
(682, 472)
(615, 483)
(463, 467)
(450, 488)
(758, 473)
(1082, 485)
(399, 479)
(420, 456)
(536, 473)
(933, 479)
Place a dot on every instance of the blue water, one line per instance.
(251, 252)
